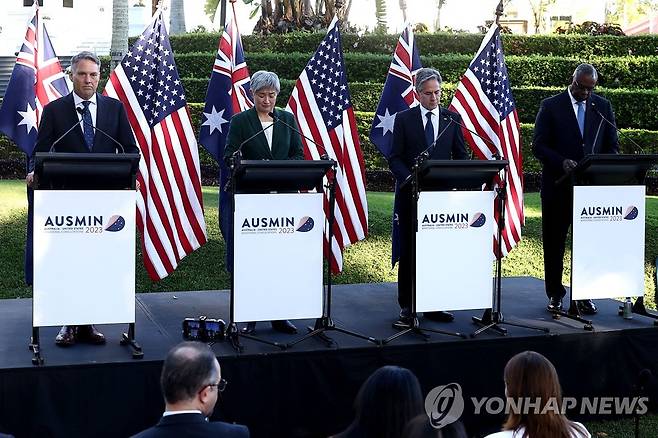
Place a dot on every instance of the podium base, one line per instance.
(574, 313)
(416, 329)
(493, 320)
(129, 339)
(233, 336)
(35, 348)
(326, 324)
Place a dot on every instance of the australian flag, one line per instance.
(36, 80)
(228, 93)
(399, 94)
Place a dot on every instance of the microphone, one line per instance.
(81, 111)
(324, 156)
(52, 147)
(495, 155)
(603, 118)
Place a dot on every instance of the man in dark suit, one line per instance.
(569, 126)
(191, 381)
(272, 140)
(88, 109)
(423, 128)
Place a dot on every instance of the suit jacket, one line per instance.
(59, 115)
(286, 143)
(409, 141)
(557, 136)
(192, 426)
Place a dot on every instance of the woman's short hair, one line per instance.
(265, 79)
(387, 400)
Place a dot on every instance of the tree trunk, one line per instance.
(307, 9)
(119, 46)
(437, 22)
(177, 17)
(344, 12)
(380, 14)
(403, 8)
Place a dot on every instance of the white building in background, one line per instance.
(75, 25)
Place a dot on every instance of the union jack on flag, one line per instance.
(323, 109)
(36, 80)
(169, 202)
(485, 102)
(398, 95)
(229, 92)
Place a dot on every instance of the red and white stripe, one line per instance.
(342, 144)
(169, 203)
(480, 115)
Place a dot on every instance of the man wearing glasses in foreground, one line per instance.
(569, 126)
(191, 381)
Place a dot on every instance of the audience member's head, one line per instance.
(420, 427)
(530, 376)
(191, 378)
(387, 400)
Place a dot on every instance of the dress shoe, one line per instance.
(284, 326)
(89, 334)
(439, 316)
(554, 304)
(404, 319)
(586, 307)
(66, 336)
(250, 328)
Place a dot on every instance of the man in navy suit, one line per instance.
(424, 128)
(89, 110)
(569, 126)
(191, 381)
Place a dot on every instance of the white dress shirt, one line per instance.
(574, 104)
(435, 118)
(77, 100)
(268, 132)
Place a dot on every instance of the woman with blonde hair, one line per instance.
(534, 395)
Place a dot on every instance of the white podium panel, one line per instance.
(454, 251)
(84, 257)
(608, 242)
(278, 259)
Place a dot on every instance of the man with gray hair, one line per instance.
(88, 109)
(191, 381)
(426, 128)
(569, 126)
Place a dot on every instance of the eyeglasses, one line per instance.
(582, 87)
(221, 385)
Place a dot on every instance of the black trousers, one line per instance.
(556, 220)
(406, 235)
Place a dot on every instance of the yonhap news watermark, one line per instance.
(446, 404)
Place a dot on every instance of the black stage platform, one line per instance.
(307, 391)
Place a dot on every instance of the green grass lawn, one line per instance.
(365, 262)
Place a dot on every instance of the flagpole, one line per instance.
(499, 12)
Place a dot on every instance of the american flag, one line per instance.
(229, 93)
(36, 80)
(169, 203)
(485, 102)
(399, 94)
(321, 104)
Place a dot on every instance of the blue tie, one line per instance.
(429, 129)
(87, 126)
(581, 118)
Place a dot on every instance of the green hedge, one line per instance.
(628, 104)
(543, 71)
(647, 139)
(433, 44)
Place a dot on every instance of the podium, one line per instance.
(454, 226)
(278, 232)
(84, 243)
(608, 229)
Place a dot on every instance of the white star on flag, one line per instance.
(214, 120)
(386, 122)
(29, 118)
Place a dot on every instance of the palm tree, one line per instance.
(403, 8)
(119, 46)
(380, 13)
(177, 17)
(437, 22)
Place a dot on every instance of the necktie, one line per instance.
(581, 118)
(87, 126)
(429, 129)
